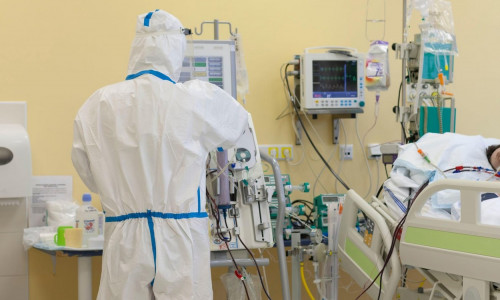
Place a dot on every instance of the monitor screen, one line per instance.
(211, 61)
(206, 68)
(335, 78)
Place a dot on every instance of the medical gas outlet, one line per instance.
(279, 152)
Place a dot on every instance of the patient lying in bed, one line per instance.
(446, 152)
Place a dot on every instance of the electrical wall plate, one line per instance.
(346, 152)
(279, 152)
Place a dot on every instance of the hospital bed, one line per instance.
(459, 259)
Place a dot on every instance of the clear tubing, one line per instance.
(403, 69)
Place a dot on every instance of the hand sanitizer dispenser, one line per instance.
(15, 187)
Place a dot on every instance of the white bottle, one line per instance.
(87, 218)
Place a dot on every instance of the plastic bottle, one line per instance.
(87, 218)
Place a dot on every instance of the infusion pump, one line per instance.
(332, 81)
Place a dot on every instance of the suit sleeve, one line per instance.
(225, 120)
(79, 156)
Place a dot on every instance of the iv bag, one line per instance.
(241, 69)
(377, 67)
(438, 29)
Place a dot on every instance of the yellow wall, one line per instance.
(55, 53)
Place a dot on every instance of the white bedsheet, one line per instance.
(446, 151)
(490, 211)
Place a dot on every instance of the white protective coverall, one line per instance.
(142, 145)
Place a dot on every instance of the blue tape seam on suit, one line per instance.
(152, 72)
(149, 215)
(199, 200)
(155, 214)
(148, 18)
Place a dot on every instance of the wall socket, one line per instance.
(346, 152)
(279, 152)
(373, 151)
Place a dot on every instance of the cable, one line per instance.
(293, 96)
(308, 291)
(374, 122)
(237, 269)
(309, 206)
(380, 190)
(404, 132)
(253, 258)
(305, 202)
(300, 160)
(314, 129)
(214, 209)
(215, 214)
(294, 104)
(440, 115)
(282, 114)
(256, 266)
(402, 123)
(341, 162)
(316, 176)
(295, 130)
(263, 268)
(380, 286)
(366, 160)
(377, 162)
(321, 156)
(292, 215)
(399, 93)
(433, 290)
(319, 175)
(397, 229)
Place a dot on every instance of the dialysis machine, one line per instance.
(236, 191)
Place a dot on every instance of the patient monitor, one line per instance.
(332, 81)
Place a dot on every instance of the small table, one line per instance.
(84, 264)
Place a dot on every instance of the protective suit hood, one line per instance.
(159, 45)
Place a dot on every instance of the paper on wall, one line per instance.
(45, 188)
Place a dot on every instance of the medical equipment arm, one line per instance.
(285, 290)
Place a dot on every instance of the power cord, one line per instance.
(294, 104)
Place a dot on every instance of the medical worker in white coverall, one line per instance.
(142, 145)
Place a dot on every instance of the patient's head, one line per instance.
(493, 155)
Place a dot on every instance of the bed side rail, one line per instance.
(364, 260)
(439, 244)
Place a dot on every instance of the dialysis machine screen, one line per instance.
(212, 61)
